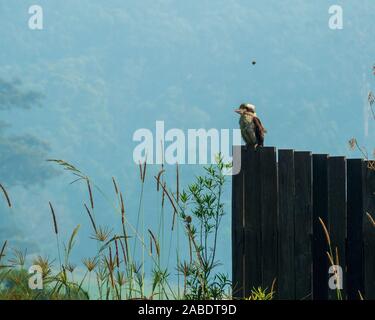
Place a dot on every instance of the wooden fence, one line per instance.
(276, 234)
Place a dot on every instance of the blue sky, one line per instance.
(99, 70)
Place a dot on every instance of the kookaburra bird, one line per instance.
(252, 130)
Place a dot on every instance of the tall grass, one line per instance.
(118, 268)
(333, 256)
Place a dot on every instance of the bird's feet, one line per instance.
(253, 146)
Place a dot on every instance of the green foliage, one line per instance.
(201, 211)
(261, 294)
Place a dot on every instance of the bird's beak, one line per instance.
(237, 111)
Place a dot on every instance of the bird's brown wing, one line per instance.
(259, 131)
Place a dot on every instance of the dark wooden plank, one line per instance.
(354, 254)
(237, 226)
(286, 280)
(337, 215)
(269, 212)
(253, 254)
(320, 210)
(303, 224)
(369, 232)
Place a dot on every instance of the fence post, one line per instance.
(337, 213)
(369, 232)
(286, 281)
(269, 212)
(320, 210)
(303, 224)
(237, 226)
(354, 255)
(253, 245)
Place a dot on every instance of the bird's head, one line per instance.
(245, 108)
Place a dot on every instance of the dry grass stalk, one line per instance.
(54, 218)
(110, 266)
(155, 242)
(123, 227)
(44, 263)
(371, 218)
(325, 231)
(91, 218)
(71, 267)
(140, 170)
(90, 263)
(163, 195)
(117, 255)
(371, 163)
(150, 246)
(273, 286)
(360, 295)
(6, 195)
(122, 209)
(110, 256)
(126, 242)
(330, 258)
(158, 179)
(101, 234)
(115, 185)
(353, 144)
(171, 202)
(19, 258)
(123, 251)
(174, 219)
(3, 249)
(90, 193)
(144, 170)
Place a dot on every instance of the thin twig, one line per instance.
(6, 195)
